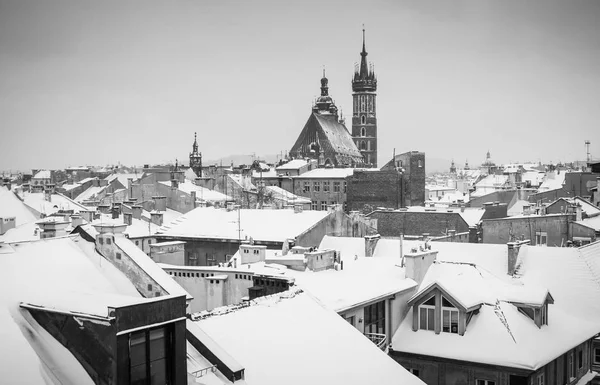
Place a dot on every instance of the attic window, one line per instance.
(449, 317)
(427, 315)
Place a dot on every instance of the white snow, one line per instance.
(202, 193)
(263, 225)
(295, 340)
(57, 202)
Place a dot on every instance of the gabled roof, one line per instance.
(332, 137)
(43, 174)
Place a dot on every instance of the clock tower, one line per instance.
(364, 112)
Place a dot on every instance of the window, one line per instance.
(363, 120)
(541, 238)
(118, 255)
(363, 145)
(148, 352)
(449, 317)
(375, 318)
(571, 366)
(317, 186)
(313, 205)
(485, 382)
(362, 105)
(427, 315)
(540, 379)
(596, 355)
(326, 186)
(306, 187)
(415, 372)
(345, 187)
(323, 205)
(256, 251)
(336, 186)
(544, 311)
(580, 359)
(246, 251)
(137, 243)
(363, 132)
(149, 287)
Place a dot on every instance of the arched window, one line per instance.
(363, 132)
(363, 145)
(363, 120)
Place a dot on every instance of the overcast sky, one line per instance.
(97, 82)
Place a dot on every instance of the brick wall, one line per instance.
(394, 223)
(368, 190)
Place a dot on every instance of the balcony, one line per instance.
(379, 340)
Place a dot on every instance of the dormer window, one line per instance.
(449, 317)
(427, 314)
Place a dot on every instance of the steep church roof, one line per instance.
(324, 134)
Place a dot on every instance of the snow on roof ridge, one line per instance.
(288, 294)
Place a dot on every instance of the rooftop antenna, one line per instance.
(587, 146)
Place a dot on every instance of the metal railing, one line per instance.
(203, 372)
(378, 339)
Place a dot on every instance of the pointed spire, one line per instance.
(364, 69)
(324, 87)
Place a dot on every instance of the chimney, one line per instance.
(526, 209)
(160, 203)
(452, 234)
(87, 215)
(298, 208)
(193, 194)
(513, 254)
(462, 207)
(128, 218)
(103, 183)
(370, 243)
(174, 183)
(48, 195)
(136, 211)
(156, 218)
(417, 263)
(76, 220)
(115, 212)
(578, 213)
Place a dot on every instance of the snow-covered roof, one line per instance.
(294, 164)
(552, 181)
(202, 193)
(137, 229)
(62, 274)
(123, 178)
(586, 206)
(169, 215)
(327, 173)
(286, 196)
(593, 223)
(11, 206)
(517, 341)
(90, 193)
(57, 202)
(261, 225)
(517, 207)
(290, 338)
(471, 215)
(43, 174)
(493, 180)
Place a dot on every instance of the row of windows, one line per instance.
(326, 186)
(314, 205)
(263, 282)
(366, 103)
(243, 276)
(364, 145)
(254, 251)
(449, 316)
(190, 275)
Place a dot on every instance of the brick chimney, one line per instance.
(156, 218)
(417, 263)
(136, 210)
(578, 213)
(370, 243)
(193, 194)
(513, 254)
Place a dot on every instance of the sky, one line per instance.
(101, 82)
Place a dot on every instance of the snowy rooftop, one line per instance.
(328, 173)
(43, 174)
(290, 338)
(123, 178)
(593, 223)
(518, 342)
(202, 193)
(261, 225)
(11, 206)
(57, 202)
(90, 193)
(553, 181)
(471, 215)
(63, 274)
(138, 228)
(294, 164)
(287, 196)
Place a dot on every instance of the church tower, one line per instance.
(196, 159)
(364, 112)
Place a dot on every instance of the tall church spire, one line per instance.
(364, 69)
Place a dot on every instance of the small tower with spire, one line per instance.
(364, 112)
(324, 104)
(452, 167)
(196, 158)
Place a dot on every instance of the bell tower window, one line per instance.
(363, 120)
(363, 132)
